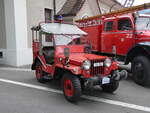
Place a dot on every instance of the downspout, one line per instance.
(99, 6)
(54, 11)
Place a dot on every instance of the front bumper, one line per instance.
(98, 80)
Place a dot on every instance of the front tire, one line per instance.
(71, 87)
(111, 87)
(141, 71)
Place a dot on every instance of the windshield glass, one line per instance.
(67, 39)
(143, 23)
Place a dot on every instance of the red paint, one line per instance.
(76, 58)
(68, 87)
(103, 41)
(38, 72)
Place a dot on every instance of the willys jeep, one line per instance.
(58, 54)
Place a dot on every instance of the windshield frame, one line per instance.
(70, 39)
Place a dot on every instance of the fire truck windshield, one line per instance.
(143, 23)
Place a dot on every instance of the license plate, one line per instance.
(98, 64)
(105, 80)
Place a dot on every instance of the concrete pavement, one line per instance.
(22, 99)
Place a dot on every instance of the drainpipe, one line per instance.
(99, 6)
(54, 11)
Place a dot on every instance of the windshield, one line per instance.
(143, 23)
(67, 39)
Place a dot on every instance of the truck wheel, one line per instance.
(141, 71)
(39, 74)
(71, 87)
(110, 88)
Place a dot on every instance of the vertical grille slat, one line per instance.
(96, 70)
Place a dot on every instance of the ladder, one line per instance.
(119, 12)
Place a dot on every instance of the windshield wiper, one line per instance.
(148, 23)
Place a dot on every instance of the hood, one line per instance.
(78, 58)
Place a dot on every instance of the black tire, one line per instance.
(141, 71)
(110, 88)
(75, 88)
(39, 74)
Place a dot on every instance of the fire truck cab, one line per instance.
(58, 54)
(125, 34)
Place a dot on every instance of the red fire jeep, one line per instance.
(57, 53)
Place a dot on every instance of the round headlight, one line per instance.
(86, 65)
(107, 62)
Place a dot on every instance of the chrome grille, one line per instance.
(96, 70)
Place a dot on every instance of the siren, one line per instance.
(60, 18)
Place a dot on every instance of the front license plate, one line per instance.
(105, 80)
(98, 64)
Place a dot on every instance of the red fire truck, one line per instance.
(56, 55)
(125, 34)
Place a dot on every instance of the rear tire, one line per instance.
(39, 74)
(111, 87)
(71, 87)
(141, 71)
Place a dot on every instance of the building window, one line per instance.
(1, 54)
(108, 26)
(48, 15)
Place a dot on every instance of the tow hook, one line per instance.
(120, 75)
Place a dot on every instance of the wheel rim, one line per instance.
(68, 87)
(38, 72)
(139, 71)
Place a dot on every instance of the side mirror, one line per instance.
(66, 52)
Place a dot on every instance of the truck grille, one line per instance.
(96, 70)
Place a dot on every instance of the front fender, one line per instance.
(72, 68)
(142, 48)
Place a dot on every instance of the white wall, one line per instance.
(17, 52)
(59, 4)
(90, 8)
(2, 26)
(36, 14)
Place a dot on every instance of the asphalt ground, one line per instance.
(21, 93)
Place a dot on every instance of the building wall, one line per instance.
(59, 4)
(106, 5)
(91, 8)
(16, 52)
(16, 19)
(36, 14)
(2, 26)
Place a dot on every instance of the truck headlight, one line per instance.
(107, 62)
(86, 65)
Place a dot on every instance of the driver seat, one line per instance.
(49, 54)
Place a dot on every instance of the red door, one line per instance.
(124, 37)
(107, 37)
